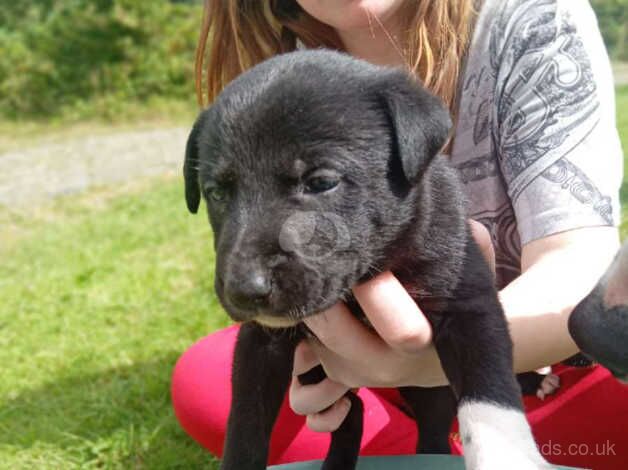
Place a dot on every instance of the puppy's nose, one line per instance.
(250, 292)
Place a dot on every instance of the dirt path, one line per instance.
(46, 171)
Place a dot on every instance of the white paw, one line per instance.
(497, 438)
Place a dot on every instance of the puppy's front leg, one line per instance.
(475, 350)
(262, 367)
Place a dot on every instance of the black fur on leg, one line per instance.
(313, 376)
(262, 367)
(529, 382)
(345, 441)
(472, 338)
(434, 410)
(599, 323)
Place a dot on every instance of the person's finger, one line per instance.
(310, 399)
(393, 313)
(483, 239)
(330, 419)
(341, 332)
(304, 358)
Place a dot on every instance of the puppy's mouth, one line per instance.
(267, 317)
(289, 317)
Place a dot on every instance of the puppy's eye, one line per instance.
(218, 194)
(321, 183)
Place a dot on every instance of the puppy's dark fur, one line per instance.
(320, 171)
(599, 323)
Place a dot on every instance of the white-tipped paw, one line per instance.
(497, 438)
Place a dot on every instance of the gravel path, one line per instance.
(40, 173)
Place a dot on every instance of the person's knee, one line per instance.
(201, 389)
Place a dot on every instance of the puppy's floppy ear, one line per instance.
(420, 122)
(190, 168)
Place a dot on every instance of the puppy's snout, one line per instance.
(249, 290)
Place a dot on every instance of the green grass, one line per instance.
(99, 295)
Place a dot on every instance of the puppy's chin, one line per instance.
(287, 321)
(268, 318)
(275, 322)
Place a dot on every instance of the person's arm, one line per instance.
(558, 271)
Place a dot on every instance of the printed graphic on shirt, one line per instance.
(503, 230)
(529, 101)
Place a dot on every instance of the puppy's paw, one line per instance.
(497, 438)
(548, 386)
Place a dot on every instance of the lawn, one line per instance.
(99, 295)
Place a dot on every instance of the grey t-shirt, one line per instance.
(536, 141)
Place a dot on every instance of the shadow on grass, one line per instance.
(120, 417)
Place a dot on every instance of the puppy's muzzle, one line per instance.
(248, 290)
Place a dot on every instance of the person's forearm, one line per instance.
(538, 303)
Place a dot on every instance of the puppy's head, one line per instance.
(310, 165)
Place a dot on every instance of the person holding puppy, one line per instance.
(529, 86)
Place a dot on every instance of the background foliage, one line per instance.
(90, 58)
(613, 18)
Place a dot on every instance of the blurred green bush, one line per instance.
(60, 55)
(613, 19)
(91, 58)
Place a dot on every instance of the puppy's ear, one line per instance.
(190, 168)
(420, 123)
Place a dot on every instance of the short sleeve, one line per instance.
(554, 118)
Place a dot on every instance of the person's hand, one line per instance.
(354, 355)
(398, 353)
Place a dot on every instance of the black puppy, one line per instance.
(599, 323)
(320, 171)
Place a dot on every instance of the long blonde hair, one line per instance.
(237, 34)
